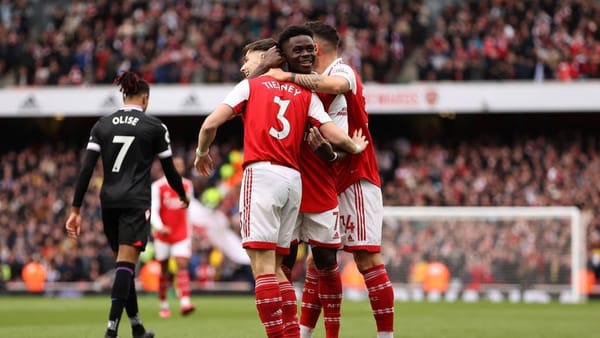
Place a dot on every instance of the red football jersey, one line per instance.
(353, 168)
(319, 191)
(275, 115)
(167, 211)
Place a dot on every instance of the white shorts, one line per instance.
(164, 250)
(269, 205)
(319, 229)
(361, 217)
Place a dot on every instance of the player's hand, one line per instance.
(185, 202)
(315, 139)
(73, 224)
(163, 231)
(273, 57)
(360, 141)
(278, 74)
(204, 165)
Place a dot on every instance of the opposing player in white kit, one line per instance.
(275, 115)
(358, 184)
(172, 238)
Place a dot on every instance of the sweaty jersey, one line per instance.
(355, 167)
(275, 115)
(167, 212)
(128, 141)
(319, 192)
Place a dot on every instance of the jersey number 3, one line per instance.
(285, 130)
(126, 141)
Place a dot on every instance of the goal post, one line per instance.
(501, 216)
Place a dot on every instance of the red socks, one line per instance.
(163, 286)
(183, 283)
(330, 295)
(311, 305)
(289, 307)
(381, 295)
(268, 304)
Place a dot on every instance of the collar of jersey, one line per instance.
(131, 106)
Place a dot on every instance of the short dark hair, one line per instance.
(131, 84)
(325, 32)
(262, 45)
(291, 32)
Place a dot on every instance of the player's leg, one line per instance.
(321, 231)
(289, 303)
(287, 248)
(311, 305)
(265, 188)
(162, 252)
(361, 215)
(267, 292)
(134, 229)
(288, 261)
(182, 251)
(329, 288)
(125, 267)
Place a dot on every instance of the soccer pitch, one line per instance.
(235, 317)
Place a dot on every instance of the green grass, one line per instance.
(235, 316)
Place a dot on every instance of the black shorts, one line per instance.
(130, 226)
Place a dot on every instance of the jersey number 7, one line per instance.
(126, 141)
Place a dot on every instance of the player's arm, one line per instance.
(333, 133)
(203, 162)
(332, 84)
(322, 147)
(155, 219)
(73, 224)
(338, 137)
(174, 179)
(224, 112)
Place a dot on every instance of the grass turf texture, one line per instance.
(235, 316)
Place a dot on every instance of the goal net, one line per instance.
(529, 254)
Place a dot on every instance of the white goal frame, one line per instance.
(578, 233)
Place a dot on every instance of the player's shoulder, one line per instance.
(339, 66)
(151, 119)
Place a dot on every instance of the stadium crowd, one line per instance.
(530, 171)
(87, 42)
(499, 40)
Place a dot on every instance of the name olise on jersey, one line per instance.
(125, 120)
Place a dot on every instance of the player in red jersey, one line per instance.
(358, 184)
(172, 238)
(275, 115)
(317, 222)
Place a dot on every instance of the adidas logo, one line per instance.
(109, 102)
(30, 103)
(190, 101)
